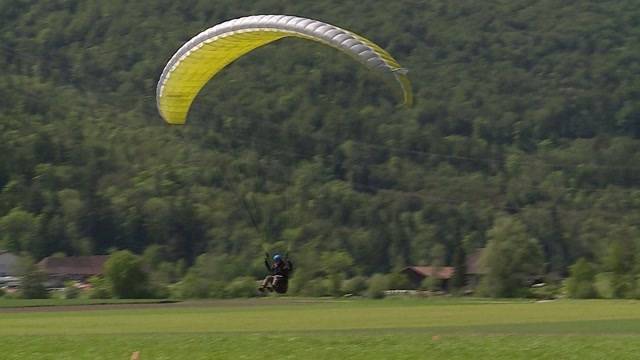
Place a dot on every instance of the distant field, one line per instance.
(328, 329)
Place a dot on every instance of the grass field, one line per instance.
(327, 329)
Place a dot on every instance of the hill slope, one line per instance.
(524, 109)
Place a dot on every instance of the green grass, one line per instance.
(309, 329)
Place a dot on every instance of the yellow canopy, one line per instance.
(202, 57)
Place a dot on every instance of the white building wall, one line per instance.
(8, 264)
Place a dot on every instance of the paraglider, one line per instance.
(205, 55)
(279, 271)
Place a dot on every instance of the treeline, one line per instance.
(149, 276)
(526, 122)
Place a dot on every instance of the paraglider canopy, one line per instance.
(202, 57)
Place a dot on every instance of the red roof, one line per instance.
(442, 272)
(74, 265)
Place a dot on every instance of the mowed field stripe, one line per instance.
(612, 316)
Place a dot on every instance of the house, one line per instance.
(8, 264)
(417, 274)
(80, 268)
(474, 271)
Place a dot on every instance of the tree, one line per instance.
(19, 232)
(100, 288)
(378, 283)
(154, 255)
(210, 276)
(619, 263)
(512, 259)
(620, 260)
(460, 269)
(355, 286)
(193, 287)
(335, 264)
(547, 129)
(244, 286)
(126, 276)
(71, 291)
(157, 219)
(434, 283)
(581, 280)
(32, 282)
(73, 210)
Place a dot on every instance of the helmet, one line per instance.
(277, 258)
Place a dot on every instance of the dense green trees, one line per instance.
(512, 258)
(522, 108)
(32, 285)
(126, 276)
(20, 232)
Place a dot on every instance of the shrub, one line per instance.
(356, 285)
(217, 289)
(192, 287)
(431, 283)
(378, 283)
(398, 281)
(100, 288)
(315, 287)
(70, 290)
(334, 284)
(241, 287)
(580, 282)
(158, 290)
(547, 291)
(32, 285)
(603, 286)
(623, 286)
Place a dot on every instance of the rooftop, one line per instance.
(74, 265)
(441, 272)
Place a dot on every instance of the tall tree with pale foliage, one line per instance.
(512, 259)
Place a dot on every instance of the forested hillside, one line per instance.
(525, 130)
